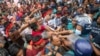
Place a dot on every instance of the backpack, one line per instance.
(3, 52)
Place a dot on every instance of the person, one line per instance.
(95, 35)
(65, 48)
(38, 28)
(35, 45)
(52, 47)
(15, 36)
(28, 48)
(84, 21)
(3, 50)
(15, 50)
(1, 25)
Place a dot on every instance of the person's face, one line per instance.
(98, 20)
(47, 18)
(52, 3)
(1, 45)
(65, 8)
(59, 8)
(40, 21)
(80, 10)
(2, 21)
(20, 53)
(56, 41)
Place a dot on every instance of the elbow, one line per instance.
(98, 54)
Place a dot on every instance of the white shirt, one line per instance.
(2, 30)
(57, 1)
(26, 31)
(53, 23)
(83, 19)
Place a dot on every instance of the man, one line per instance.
(83, 23)
(2, 21)
(52, 46)
(55, 23)
(95, 34)
(3, 51)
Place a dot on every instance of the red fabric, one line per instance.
(39, 42)
(43, 14)
(10, 25)
(20, 14)
(58, 14)
(47, 12)
(36, 33)
(32, 52)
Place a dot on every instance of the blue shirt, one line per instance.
(95, 29)
(96, 34)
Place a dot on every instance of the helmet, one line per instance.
(83, 48)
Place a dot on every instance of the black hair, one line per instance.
(1, 17)
(28, 37)
(36, 38)
(34, 26)
(80, 7)
(51, 39)
(64, 20)
(94, 10)
(14, 49)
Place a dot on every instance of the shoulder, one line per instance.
(29, 47)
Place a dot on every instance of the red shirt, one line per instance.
(34, 51)
(20, 14)
(35, 33)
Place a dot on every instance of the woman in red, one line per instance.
(38, 28)
(35, 45)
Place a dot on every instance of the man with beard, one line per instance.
(95, 35)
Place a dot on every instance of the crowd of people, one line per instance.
(50, 28)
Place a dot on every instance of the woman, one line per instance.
(35, 45)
